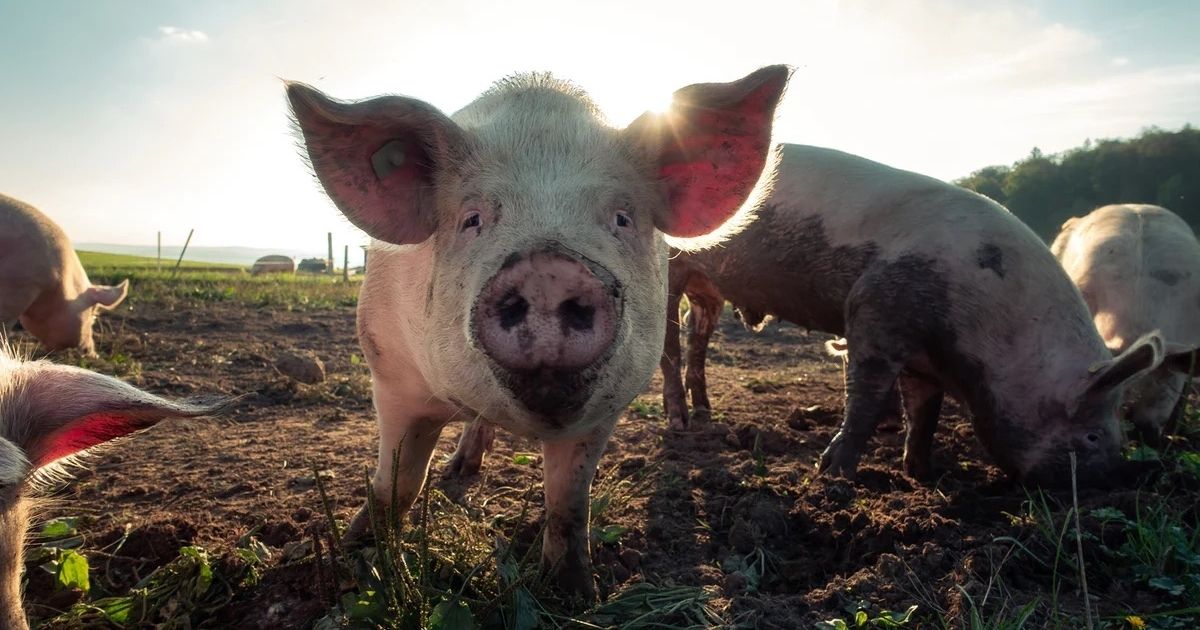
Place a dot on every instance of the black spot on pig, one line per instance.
(989, 256)
(783, 266)
(1169, 277)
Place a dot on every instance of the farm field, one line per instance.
(225, 523)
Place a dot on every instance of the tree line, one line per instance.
(1158, 167)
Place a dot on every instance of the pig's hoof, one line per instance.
(359, 527)
(837, 461)
(702, 413)
(678, 422)
(463, 464)
(919, 470)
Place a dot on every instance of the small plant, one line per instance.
(861, 617)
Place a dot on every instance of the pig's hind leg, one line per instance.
(922, 407)
(884, 326)
(674, 396)
(477, 438)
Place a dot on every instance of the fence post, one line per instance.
(330, 259)
(158, 264)
(346, 265)
(182, 252)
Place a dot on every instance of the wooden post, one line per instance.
(330, 259)
(365, 250)
(184, 251)
(158, 265)
(346, 265)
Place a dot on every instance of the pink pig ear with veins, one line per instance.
(377, 158)
(55, 411)
(711, 146)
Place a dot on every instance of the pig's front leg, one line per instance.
(477, 439)
(408, 434)
(570, 466)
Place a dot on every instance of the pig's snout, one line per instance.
(547, 310)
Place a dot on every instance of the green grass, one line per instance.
(98, 260)
(197, 284)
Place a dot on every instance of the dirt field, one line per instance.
(730, 504)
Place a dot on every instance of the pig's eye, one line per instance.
(472, 220)
(623, 220)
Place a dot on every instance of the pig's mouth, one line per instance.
(556, 395)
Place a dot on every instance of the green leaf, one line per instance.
(116, 609)
(611, 534)
(1108, 514)
(58, 528)
(1143, 453)
(355, 359)
(1168, 584)
(73, 571)
(860, 619)
(524, 459)
(452, 614)
(894, 619)
(832, 624)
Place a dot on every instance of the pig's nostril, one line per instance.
(576, 316)
(512, 310)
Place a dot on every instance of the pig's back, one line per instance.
(1138, 267)
(30, 243)
(832, 215)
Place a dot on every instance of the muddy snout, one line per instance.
(547, 310)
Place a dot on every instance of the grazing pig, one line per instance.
(936, 289)
(42, 282)
(1138, 267)
(48, 414)
(518, 268)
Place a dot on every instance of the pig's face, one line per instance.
(69, 323)
(1091, 426)
(548, 282)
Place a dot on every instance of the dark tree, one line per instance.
(1159, 167)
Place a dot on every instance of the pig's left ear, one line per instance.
(378, 159)
(108, 298)
(711, 147)
(57, 411)
(1143, 355)
(1183, 359)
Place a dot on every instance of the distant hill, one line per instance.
(230, 255)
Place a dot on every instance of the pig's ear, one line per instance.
(54, 411)
(1183, 359)
(1143, 355)
(108, 297)
(711, 147)
(377, 158)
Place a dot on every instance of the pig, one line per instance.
(517, 270)
(42, 283)
(1138, 267)
(936, 289)
(49, 416)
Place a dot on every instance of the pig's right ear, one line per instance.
(54, 411)
(711, 148)
(377, 158)
(1143, 355)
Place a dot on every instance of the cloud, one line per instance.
(1120, 61)
(176, 34)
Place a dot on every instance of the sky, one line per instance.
(120, 119)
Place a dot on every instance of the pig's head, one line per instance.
(1090, 427)
(49, 413)
(546, 224)
(1150, 401)
(67, 323)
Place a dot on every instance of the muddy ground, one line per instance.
(730, 499)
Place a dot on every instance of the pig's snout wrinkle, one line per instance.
(546, 310)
